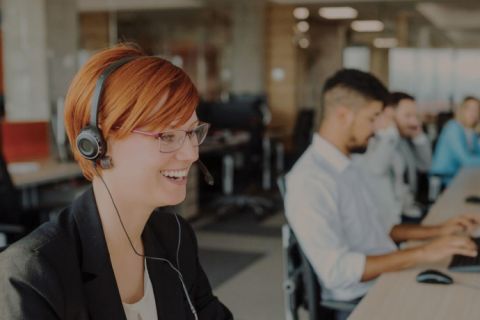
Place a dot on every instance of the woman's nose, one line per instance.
(188, 151)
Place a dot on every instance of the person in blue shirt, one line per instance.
(457, 145)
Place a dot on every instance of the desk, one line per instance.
(49, 171)
(396, 295)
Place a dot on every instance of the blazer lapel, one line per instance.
(169, 297)
(99, 284)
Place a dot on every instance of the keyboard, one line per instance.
(466, 264)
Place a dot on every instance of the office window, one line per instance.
(438, 78)
(357, 58)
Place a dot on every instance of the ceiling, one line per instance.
(446, 23)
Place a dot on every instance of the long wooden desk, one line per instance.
(48, 171)
(397, 295)
(43, 171)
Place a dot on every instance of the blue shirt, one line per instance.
(453, 151)
(332, 212)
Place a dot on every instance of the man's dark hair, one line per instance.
(468, 98)
(363, 83)
(346, 86)
(396, 97)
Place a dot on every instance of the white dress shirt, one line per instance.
(337, 224)
(376, 164)
(387, 161)
(145, 308)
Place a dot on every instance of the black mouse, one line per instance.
(434, 276)
(472, 199)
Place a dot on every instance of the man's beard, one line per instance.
(357, 149)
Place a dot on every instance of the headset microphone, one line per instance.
(206, 174)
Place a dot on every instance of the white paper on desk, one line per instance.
(23, 167)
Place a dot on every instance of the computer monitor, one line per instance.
(232, 115)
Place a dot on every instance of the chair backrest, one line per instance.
(282, 186)
(301, 286)
(293, 290)
(300, 283)
(302, 132)
(10, 207)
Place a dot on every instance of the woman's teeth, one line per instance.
(175, 174)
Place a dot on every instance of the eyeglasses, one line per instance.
(173, 140)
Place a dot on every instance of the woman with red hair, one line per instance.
(119, 252)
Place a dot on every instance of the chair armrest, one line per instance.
(340, 305)
(11, 228)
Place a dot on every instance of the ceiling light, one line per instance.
(303, 26)
(337, 13)
(367, 25)
(385, 43)
(301, 13)
(304, 43)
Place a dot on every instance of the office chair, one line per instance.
(240, 114)
(436, 185)
(301, 136)
(300, 283)
(10, 209)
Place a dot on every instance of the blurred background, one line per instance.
(259, 66)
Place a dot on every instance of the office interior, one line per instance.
(259, 66)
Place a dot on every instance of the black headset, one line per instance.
(90, 142)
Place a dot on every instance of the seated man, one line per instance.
(398, 151)
(331, 210)
(395, 153)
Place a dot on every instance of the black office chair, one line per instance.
(301, 136)
(240, 114)
(300, 283)
(10, 209)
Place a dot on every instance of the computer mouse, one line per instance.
(434, 276)
(473, 199)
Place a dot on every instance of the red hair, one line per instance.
(130, 97)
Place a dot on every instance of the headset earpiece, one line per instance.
(90, 142)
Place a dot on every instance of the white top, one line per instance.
(145, 308)
(332, 212)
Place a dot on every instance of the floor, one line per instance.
(243, 259)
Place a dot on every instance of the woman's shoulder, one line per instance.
(23, 263)
(452, 125)
(32, 255)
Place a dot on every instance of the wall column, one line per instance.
(39, 58)
(248, 49)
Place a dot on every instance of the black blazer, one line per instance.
(62, 270)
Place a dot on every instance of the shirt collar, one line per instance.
(330, 153)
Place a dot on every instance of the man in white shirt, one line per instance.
(331, 210)
(394, 155)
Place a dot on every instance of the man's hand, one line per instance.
(464, 224)
(445, 247)
(416, 129)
